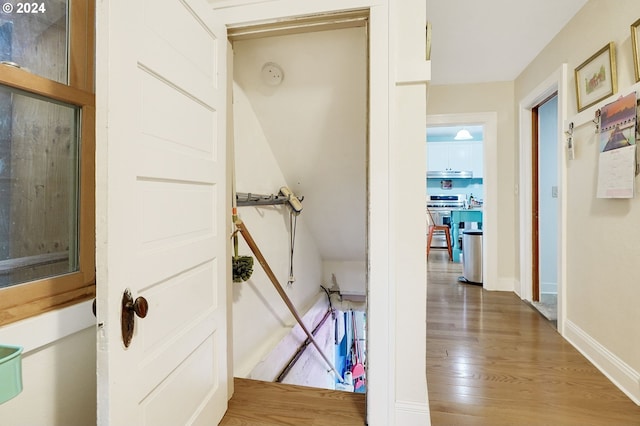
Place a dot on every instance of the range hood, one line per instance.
(449, 174)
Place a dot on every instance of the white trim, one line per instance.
(556, 82)
(222, 4)
(418, 72)
(412, 413)
(516, 288)
(619, 372)
(249, 12)
(35, 332)
(381, 315)
(490, 182)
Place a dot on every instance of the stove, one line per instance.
(446, 201)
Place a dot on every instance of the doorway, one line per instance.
(556, 83)
(544, 156)
(488, 122)
(301, 110)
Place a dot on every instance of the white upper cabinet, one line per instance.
(455, 156)
(437, 156)
(477, 159)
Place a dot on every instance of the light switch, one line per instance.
(554, 192)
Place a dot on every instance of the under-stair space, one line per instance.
(300, 123)
(338, 325)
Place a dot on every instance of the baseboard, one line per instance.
(548, 287)
(620, 373)
(412, 414)
(503, 284)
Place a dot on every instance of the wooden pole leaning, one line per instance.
(274, 280)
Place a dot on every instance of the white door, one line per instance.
(161, 81)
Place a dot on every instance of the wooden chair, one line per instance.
(433, 228)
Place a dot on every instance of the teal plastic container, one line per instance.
(10, 372)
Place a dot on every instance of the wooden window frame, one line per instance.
(25, 300)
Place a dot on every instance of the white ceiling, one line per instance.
(476, 41)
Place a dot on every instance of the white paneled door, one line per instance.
(160, 96)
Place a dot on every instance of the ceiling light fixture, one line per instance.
(463, 135)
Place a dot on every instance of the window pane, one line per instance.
(36, 39)
(39, 174)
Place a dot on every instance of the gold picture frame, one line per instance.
(635, 35)
(427, 55)
(596, 78)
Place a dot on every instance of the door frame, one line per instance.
(556, 82)
(490, 182)
(382, 403)
(288, 26)
(535, 194)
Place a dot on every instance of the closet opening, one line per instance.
(300, 120)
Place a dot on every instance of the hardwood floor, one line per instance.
(493, 360)
(256, 403)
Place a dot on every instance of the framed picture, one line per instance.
(635, 35)
(446, 184)
(596, 77)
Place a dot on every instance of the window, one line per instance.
(47, 146)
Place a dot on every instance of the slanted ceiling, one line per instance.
(316, 125)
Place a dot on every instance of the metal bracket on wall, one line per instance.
(249, 199)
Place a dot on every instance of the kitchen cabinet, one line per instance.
(477, 159)
(437, 156)
(455, 156)
(461, 216)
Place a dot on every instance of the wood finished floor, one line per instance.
(491, 360)
(494, 360)
(256, 403)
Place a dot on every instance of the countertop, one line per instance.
(470, 209)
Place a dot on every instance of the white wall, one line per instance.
(349, 276)
(315, 124)
(407, 171)
(310, 369)
(260, 317)
(58, 369)
(602, 318)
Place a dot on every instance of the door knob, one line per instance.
(131, 308)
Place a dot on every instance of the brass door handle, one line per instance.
(130, 309)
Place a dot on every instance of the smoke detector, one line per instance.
(272, 74)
